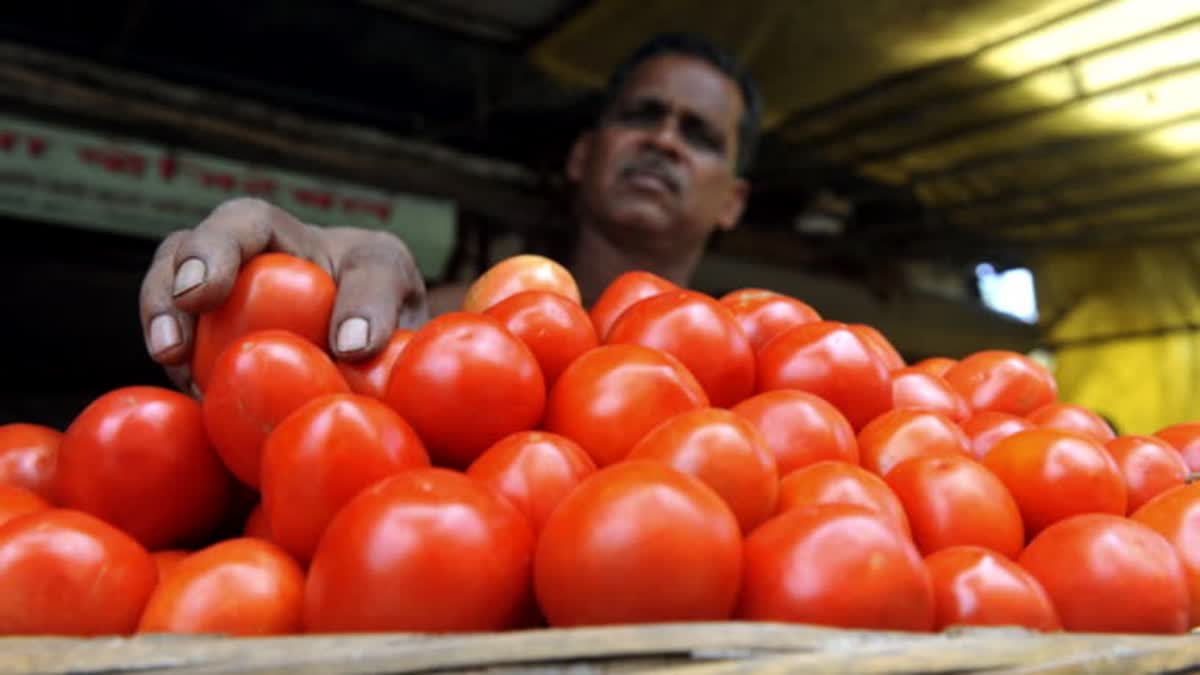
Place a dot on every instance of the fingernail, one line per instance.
(189, 275)
(164, 333)
(352, 334)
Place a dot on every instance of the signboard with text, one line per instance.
(74, 177)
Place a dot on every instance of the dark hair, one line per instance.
(698, 47)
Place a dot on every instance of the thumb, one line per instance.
(379, 288)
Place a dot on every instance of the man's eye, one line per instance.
(699, 136)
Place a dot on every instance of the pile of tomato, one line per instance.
(660, 456)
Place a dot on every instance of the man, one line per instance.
(661, 169)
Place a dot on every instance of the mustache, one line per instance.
(655, 165)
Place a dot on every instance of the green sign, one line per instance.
(85, 179)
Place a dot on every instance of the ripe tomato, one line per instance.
(261, 379)
(1070, 417)
(725, 452)
(1056, 474)
(238, 587)
(1185, 438)
(427, 550)
(322, 455)
(369, 377)
(610, 397)
(1109, 574)
(464, 382)
(64, 572)
(919, 390)
(1002, 381)
(1148, 465)
(621, 294)
(138, 458)
(764, 314)
(832, 482)
(935, 365)
(835, 565)
(880, 345)
(257, 525)
(799, 428)
(273, 291)
(17, 501)
(701, 333)
(953, 501)
(166, 561)
(986, 429)
(554, 328)
(1175, 514)
(903, 434)
(831, 361)
(638, 542)
(518, 274)
(534, 470)
(29, 457)
(974, 586)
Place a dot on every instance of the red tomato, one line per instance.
(369, 377)
(261, 379)
(974, 586)
(764, 314)
(138, 458)
(1148, 465)
(1175, 514)
(534, 470)
(322, 455)
(239, 587)
(935, 365)
(953, 501)
(518, 274)
(273, 291)
(835, 565)
(1070, 417)
(29, 457)
(166, 561)
(621, 294)
(610, 397)
(1108, 574)
(638, 542)
(1002, 381)
(1056, 474)
(832, 482)
(986, 429)
(799, 428)
(725, 452)
(880, 345)
(554, 328)
(701, 333)
(1186, 439)
(464, 382)
(829, 360)
(916, 389)
(256, 524)
(64, 572)
(903, 434)
(427, 550)
(17, 501)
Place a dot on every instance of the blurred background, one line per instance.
(961, 174)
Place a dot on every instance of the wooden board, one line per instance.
(675, 649)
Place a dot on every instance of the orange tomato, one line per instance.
(1002, 381)
(1070, 417)
(1149, 466)
(975, 586)
(518, 274)
(832, 482)
(903, 434)
(29, 457)
(764, 314)
(621, 294)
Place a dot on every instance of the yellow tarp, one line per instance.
(1142, 383)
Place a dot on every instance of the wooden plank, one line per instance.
(672, 649)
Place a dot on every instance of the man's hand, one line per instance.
(379, 285)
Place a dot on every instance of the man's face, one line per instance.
(659, 170)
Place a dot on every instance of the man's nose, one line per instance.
(665, 137)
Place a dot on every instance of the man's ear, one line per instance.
(735, 204)
(578, 158)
